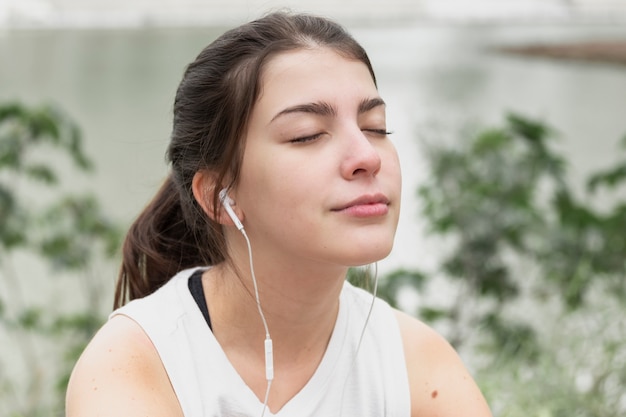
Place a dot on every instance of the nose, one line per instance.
(361, 157)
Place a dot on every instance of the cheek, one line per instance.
(290, 176)
(275, 189)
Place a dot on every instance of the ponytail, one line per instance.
(160, 243)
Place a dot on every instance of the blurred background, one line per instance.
(510, 120)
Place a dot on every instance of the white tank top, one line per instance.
(374, 384)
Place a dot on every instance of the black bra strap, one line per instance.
(197, 292)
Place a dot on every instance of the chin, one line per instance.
(369, 254)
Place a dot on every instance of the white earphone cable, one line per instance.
(269, 355)
(256, 287)
(269, 350)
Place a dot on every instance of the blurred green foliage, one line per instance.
(534, 270)
(67, 232)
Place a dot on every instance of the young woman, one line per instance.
(282, 177)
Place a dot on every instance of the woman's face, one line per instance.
(320, 181)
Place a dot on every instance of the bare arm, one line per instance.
(120, 374)
(439, 383)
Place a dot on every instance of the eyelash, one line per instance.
(304, 139)
(381, 132)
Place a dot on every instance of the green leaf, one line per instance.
(30, 318)
(531, 130)
(609, 178)
(41, 173)
(490, 140)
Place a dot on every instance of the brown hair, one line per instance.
(211, 110)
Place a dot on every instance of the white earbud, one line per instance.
(226, 202)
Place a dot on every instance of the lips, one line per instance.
(366, 206)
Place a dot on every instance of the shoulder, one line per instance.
(120, 373)
(439, 382)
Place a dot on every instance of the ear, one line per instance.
(204, 191)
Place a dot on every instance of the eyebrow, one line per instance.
(322, 108)
(370, 104)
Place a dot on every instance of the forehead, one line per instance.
(320, 55)
(309, 75)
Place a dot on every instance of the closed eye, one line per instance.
(304, 139)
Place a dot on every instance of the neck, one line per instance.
(299, 300)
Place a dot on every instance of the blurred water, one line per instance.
(119, 85)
